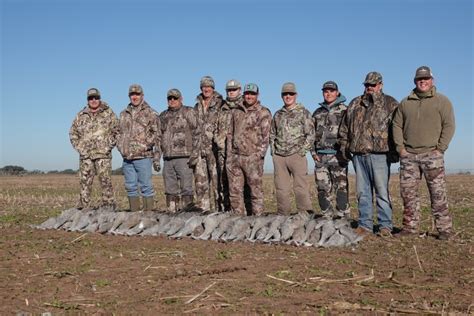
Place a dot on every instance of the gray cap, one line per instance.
(93, 92)
(251, 87)
(207, 81)
(288, 87)
(135, 88)
(173, 93)
(232, 84)
(373, 77)
(423, 72)
(330, 85)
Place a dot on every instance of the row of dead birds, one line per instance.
(301, 229)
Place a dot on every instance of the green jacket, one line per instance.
(423, 124)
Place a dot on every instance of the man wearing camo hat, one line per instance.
(330, 167)
(422, 129)
(291, 137)
(139, 142)
(93, 134)
(180, 141)
(208, 104)
(247, 143)
(233, 100)
(365, 134)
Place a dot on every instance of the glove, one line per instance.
(156, 165)
(192, 162)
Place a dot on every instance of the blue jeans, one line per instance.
(373, 174)
(137, 173)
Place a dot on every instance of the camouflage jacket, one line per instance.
(366, 126)
(207, 120)
(327, 119)
(292, 131)
(140, 133)
(249, 131)
(223, 122)
(93, 135)
(180, 132)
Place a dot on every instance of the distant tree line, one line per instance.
(20, 171)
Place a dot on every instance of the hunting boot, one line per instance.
(148, 203)
(187, 201)
(134, 203)
(171, 204)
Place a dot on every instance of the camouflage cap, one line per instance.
(423, 72)
(135, 88)
(207, 81)
(373, 77)
(288, 87)
(232, 84)
(93, 92)
(330, 85)
(173, 93)
(251, 87)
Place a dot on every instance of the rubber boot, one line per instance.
(149, 203)
(134, 203)
(171, 203)
(187, 201)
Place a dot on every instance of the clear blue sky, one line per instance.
(53, 51)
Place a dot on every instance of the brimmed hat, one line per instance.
(423, 72)
(288, 87)
(173, 93)
(251, 87)
(232, 84)
(373, 77)
(207, 81)
(93, 92)
(330, 85)
(135, 88)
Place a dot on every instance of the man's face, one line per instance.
(136, 98)
(250, 98)
(330, 95)
(289, 98)
(373, 87)
(174, 102)
(93, 102)
(233, 93)
(207, 91)
(424, 84)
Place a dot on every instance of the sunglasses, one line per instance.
(94, 97)
(134, 93)
(172, 98)
(233, 89)
(284, 94)
(370, 85)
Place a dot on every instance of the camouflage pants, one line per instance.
(243, 170)
(285, 168)
(431, 165)
(205, 182)
(331, 182)
(223, 188)
(88, 168)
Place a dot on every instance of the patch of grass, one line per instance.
(343, 260)
(269, 292)
(224, 255)
(170, 301)
(283, 274)
(102, 283)
(61, 305)
(10, 219)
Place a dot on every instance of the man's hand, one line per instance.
(316, 157)
(192, 162)
(156, 165)
(403, 153)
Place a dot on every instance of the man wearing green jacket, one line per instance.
(422, 129)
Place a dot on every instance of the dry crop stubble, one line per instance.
(57, 271)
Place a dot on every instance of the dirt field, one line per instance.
(63, 272)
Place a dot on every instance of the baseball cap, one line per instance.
(288, 87)
(423, 72)
(373, 77)
(330, 85)
(251, 87)
(207, 81)
(135, 88)
(173, 93)
(232, 84)
(93, 92)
